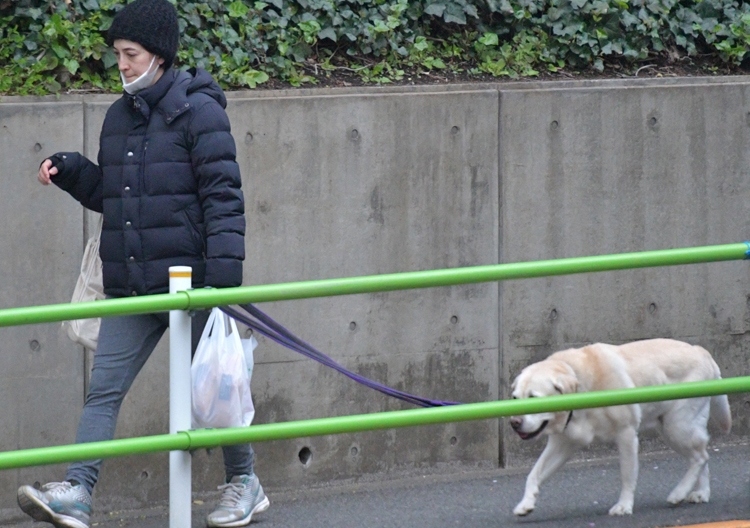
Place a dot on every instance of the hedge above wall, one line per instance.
(56, 45)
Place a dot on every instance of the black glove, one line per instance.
(58, 161)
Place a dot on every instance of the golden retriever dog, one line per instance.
(681, 423)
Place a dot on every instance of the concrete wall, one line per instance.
(41, 242)
(358, 182)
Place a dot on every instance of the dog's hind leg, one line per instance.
(559, 449)
(702, 490)
(685, 431)
(627, 445)
(697, 461)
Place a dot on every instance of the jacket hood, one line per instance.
(170, 94)
(203, 82)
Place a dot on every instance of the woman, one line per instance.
(169, 189)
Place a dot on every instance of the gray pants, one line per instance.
(125, 343)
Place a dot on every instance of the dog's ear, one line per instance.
(566, 384)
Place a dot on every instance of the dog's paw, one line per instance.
(523, 508)
(621, 508)
(698, 497)
(676, 497)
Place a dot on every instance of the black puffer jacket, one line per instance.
(168, 185)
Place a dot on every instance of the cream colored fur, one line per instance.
(681, 423)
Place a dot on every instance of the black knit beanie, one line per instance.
(150, 23)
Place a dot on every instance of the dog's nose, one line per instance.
(515, 423)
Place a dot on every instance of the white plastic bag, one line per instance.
(248, 346)
(220, 382)
(88, 288)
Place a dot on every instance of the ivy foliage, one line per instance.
(57, 46)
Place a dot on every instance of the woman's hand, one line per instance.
(46, 171)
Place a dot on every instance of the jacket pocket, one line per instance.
(196, 233)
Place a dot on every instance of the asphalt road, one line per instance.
(578, 496)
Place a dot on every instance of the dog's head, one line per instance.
(545, 378)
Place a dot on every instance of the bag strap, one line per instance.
(210, 323)
(91, 253)
(265, 325)
(96, 236)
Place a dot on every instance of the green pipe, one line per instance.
(202, 298)
(107, 449)
(466, 412)
(206, 438)
(476, 274)
(84, 310)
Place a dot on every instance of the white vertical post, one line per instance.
(180, 403)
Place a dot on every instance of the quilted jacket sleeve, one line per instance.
(80, 177)
(213, 155)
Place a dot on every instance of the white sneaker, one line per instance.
(243, 496)
(59, 503)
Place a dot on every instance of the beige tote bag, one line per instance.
(88, 288)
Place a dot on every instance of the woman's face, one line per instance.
(133, 60)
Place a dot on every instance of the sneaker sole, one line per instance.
(39, 511)
(259, 508)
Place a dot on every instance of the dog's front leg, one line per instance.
(558, 450)
(627, 445)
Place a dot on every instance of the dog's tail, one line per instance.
(720, 415)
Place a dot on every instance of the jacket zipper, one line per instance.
(143, 166)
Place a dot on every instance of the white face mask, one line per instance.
(144, 81)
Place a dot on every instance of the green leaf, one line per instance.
(489, 39)
(71, 65)
(238, 10)
(554, 13)
(454, 14)
(60, 51)
(109, 58)
(328, 33)
(380, 27)
(35, 13)
(53, 86)
(49, 62)
(435, 10)
(455, 18)
(253, 78)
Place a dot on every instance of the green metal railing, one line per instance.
(207, 298)
(208, 438)
(196, 299)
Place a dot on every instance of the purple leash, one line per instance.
(265, 325)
